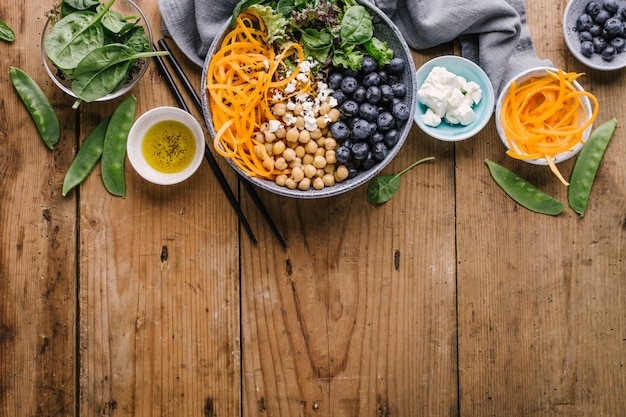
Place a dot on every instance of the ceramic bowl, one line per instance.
(572, 36)
(386, 31)
(125, 8)
(520, 79)
(137, 136)
(483, 109)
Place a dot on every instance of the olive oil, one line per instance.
(168, 146)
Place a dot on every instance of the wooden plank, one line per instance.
(541, 320)
(357, 316)
(37, 234)
(159, 306)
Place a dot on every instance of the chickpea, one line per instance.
(318, 183)
(257, 151)
(310, 170)
(330, 143)
(297, 162)
(311, 147)
(293, 134)
(268, 164)
(331, 157)
(259, 137)
(281, 132)
(269, 136)
(334, 115)
(281, 164)
(305, 184)
(316, 134)
(321, 151)
(319, 162)
(268, 147)
(281, 180)
(330, 169)
(279, 109)
(321, 122)
(324, 108)
(319, 173)
(289, 154)
(297, 174)
(304, 136)
(298, 109)
(300, 152)
(299, 122)
(278, 148)
(307, 159)
(341, 173)
(329, 180)
(291, 184)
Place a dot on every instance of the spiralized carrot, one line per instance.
(546, 116)
(242, 80)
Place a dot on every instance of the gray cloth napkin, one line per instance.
(492, 33)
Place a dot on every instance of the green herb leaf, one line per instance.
(6, 33)
(382, 188)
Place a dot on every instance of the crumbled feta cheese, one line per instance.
(448, 97)
(290, 87)
(289, 119)
(273, 126)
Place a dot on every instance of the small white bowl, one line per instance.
(484, 109)
(520, 79)
(136, 138)
(571, 35)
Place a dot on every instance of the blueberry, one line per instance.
(585, 36)
(613, 27)
(387, 93)
(608, 53)
(343, 154)
(595, 30)
(391, 138)
(359, 95)
(348, 72)
(399, 90)
(611, 6)
(368, 111)
(368, 64)
(384, 76)
(379, 151)
(340, 96)
(360, 131)
(375, 138)
(369, 162)
(349, 84)
(618, 44)
(352, 171)
(592, 8)
(360, 151)
(584, 22)
(339, 130)
(602, 17)
(385, 121)
(623, 14)
(401, 112)
(349, 108)
(373, 94)
(334, 80)
(587, 49)
(396, 66)
(373, 78)
(598, 44)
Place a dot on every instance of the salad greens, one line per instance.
(337, 32)
(94, 47)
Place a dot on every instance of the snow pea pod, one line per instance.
(6, 33)
(587, 164)
(114, 150)
(38, 105)
(86, 158)
(523, 192)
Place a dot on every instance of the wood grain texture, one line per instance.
(450, 300)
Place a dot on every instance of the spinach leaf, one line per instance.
(285, 7)
(137, 39)
(81, 4)
(317, 43)
(379, 50)
(384, 187)
(356, 26)
(114, 22)
(74, 36)
(104, 69)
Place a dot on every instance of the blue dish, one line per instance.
(484, 109)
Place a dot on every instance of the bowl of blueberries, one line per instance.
(595, 32)
(322, 144)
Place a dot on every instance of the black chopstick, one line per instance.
(208, 155)
(196, 99)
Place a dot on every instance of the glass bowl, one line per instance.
(125, 8)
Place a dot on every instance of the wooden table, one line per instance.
(451, 300)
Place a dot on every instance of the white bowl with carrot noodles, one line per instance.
(273, 114)
(544, 116)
